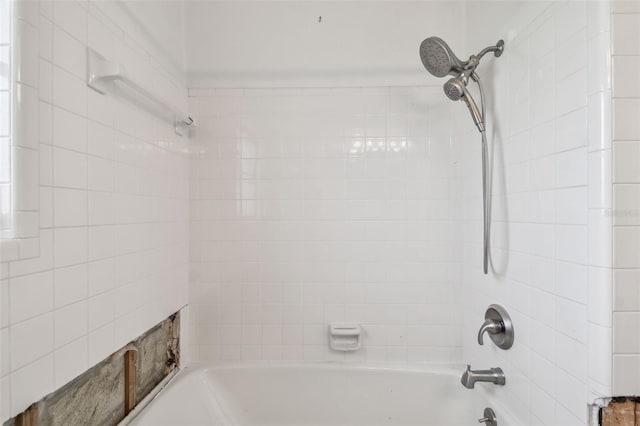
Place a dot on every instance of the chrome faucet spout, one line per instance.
(493, 375)
(492, 326)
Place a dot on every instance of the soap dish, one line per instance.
(344, 337)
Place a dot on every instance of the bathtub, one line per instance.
(316, 394)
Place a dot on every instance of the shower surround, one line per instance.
(319, 205)
(334, 195)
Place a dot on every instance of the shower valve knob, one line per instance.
(499, 326)
(490, 326)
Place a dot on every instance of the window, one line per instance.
(5, 120)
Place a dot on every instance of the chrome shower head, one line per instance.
(438, 58)
(454, 89)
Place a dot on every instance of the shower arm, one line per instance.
(497, 50)
(474, 60)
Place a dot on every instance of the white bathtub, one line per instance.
(317, 394)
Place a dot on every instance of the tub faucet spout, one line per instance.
(470, 377)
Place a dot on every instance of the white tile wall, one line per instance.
(113, 197)
(311, 206)
(626, 208)
(316, 205)
(553, 227)
(551, 249)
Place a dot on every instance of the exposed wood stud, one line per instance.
(29, 417)
(130, 361)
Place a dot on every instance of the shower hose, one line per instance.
(486, 184)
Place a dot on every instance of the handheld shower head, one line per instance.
(440, 61)
(456, 89)
(438, 58)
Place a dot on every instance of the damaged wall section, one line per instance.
(97, 396)
(622, 411)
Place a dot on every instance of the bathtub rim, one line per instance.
(453, 370)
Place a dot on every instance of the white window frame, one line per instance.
(6, 160)
(22, 238)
